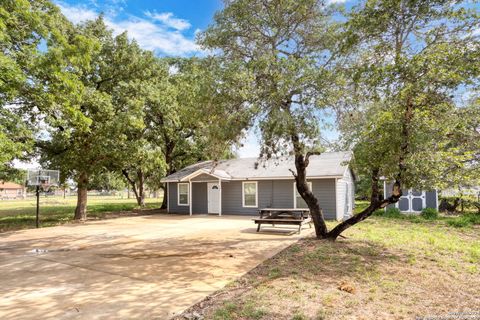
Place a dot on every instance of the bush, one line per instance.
(469, 203)
(459, 222)
(378, 213)
(429, 213)
(465, 220)
(393, 213)
(389, 213)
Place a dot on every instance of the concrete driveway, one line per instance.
(149, 267)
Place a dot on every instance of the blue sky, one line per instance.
(167, 27)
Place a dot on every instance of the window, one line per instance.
(298, 201)
(183, 195)
(249, 194)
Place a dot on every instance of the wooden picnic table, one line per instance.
(285, 216)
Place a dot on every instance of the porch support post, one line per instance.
(190, 195)
(220, 197)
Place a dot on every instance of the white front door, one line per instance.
(213, 197)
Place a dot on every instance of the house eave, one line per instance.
(257, 178)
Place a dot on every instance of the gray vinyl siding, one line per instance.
(277, 194)
(199, 197)
(345, 196)
(271, 194)
(283, 193)
(341, 198)
(431, 199)
(232, 197)
(350, 195)
(173, 199)
(324, 190)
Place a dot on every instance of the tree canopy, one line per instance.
(24, 27)
(398, 63)
(95, 105)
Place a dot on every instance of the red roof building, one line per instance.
(11, 190)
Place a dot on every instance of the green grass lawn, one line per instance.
(54, 210)
(385, 268)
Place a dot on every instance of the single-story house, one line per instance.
(413, 200)
(243, 186)
(11, 190)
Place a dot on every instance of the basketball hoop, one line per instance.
(44, 185)
(42, 179)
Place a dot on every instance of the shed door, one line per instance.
(417, 199)
(213, 198)
(413, 201)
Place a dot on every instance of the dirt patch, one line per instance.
(357, 278)
(122, 214)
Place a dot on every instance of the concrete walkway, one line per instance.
(149, 267)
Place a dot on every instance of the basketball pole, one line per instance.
(38, 206)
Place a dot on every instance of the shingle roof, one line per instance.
(10, 185)
(328, 164)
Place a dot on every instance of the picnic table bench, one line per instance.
(285, 216)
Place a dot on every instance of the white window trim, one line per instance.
(188, 194)
(310, 186)
(256, 194)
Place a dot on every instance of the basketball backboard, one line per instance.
(43, 177)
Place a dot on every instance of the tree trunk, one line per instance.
(164, 201)
(449, 208)
(82, 188)
(375, 204)
(141, 190)
(301, 164)
(165, 191)
(137, 190)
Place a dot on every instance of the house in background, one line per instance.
(412, 200)
(461, 191)
(243, 186)
(11, 190)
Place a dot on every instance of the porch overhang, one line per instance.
(217, 174)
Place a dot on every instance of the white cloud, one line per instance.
(336, 1)
(250, 145)
(77, 14)
(153, 37)
(169, 20)
(159, 32)
(33, 164)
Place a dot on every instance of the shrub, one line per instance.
(227, 312)
(458, 222)
(429, 213)
(393, 213)
(378, 213)
(389, 213)
(465, 220)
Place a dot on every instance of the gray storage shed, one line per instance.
(413, 200)
(243, 186)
